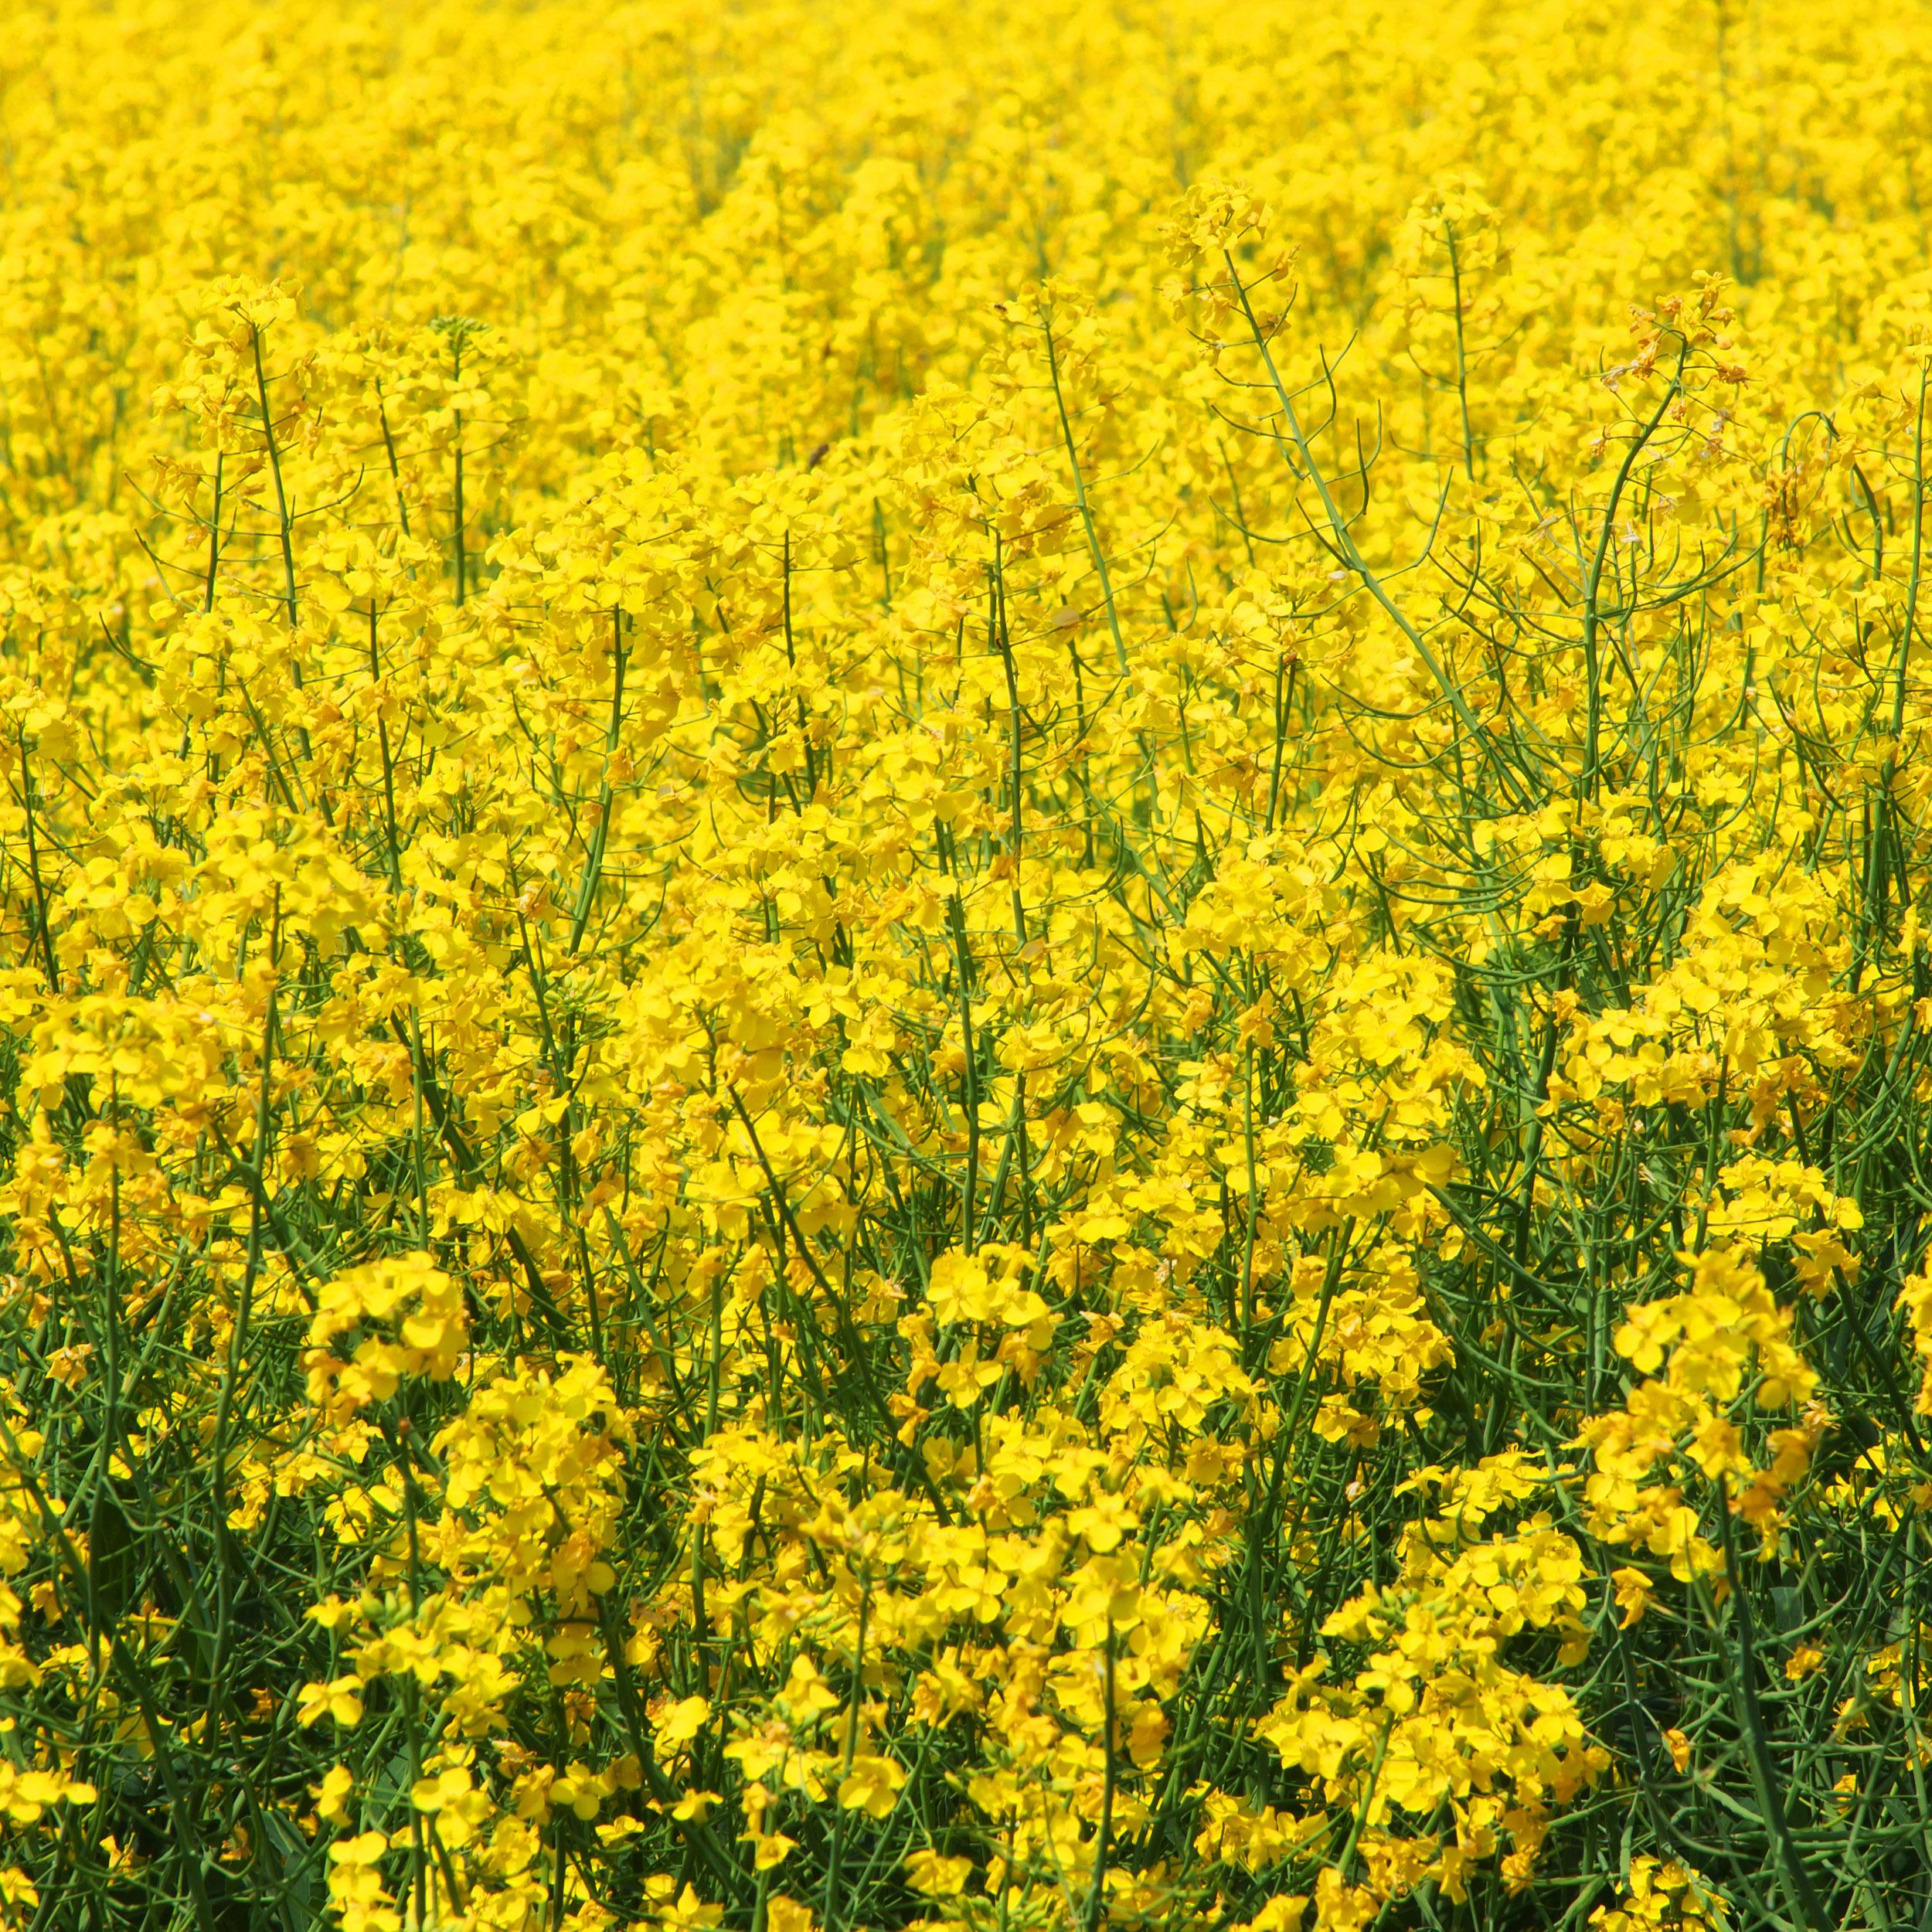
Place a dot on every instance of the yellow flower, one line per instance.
(676, 1725)
(873, 1785)
(1633, 1590)
(340, 1700)
(935, 1876)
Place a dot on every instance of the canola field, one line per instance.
(965, 966)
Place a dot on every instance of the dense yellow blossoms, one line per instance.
(965, 966)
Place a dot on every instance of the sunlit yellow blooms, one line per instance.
(409, 1296)
(1663, 1893)
(337, 1700)
(965, 969)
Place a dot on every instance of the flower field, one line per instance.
(965, 966)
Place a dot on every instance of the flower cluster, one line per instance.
(963, 967)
